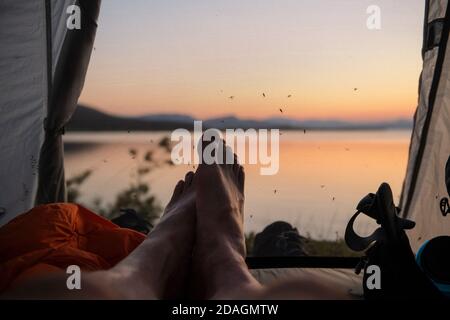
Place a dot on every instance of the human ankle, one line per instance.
(222, 252)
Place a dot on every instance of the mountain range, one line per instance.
(89, 119)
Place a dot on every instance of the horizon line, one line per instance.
(244, 118)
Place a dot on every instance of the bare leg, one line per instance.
(156, 269)
(162, 261)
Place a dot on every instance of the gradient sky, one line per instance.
(190, 56)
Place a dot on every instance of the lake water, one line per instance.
(322, 175)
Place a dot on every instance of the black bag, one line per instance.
(389, 250)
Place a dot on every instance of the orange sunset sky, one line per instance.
(189, 57)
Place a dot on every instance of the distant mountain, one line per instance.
(169, 117)
(339, 124)
(89, 119)
(232, 122)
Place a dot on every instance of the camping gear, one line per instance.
(44, 60)
(49, 238)
(130, 219)
(433, 259)
(389, 251)
(279, 239)
(425, 195)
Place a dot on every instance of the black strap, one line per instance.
(381, 208)
(356, 242)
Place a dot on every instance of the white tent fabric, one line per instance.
(32, 37)
(436, 9)
(425, 186)
(23, 102)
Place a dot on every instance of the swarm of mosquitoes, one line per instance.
(264, 95)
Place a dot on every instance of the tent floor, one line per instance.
(343, 279)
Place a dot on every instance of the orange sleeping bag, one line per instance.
(49, 238)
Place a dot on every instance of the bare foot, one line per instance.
(164, 258)
(219, 259)
(177, 230)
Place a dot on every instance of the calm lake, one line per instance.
(321, 178)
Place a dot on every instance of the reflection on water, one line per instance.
(322, 175)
